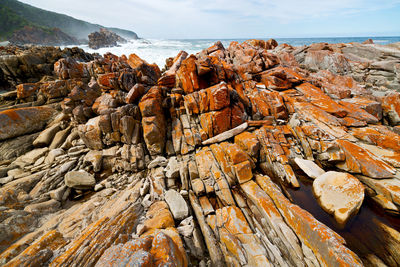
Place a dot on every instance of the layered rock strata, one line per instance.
(127, 165)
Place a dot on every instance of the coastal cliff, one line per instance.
(256, 154)
(16, 17)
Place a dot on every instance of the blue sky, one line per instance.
(220, 19)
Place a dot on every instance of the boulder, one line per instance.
(135, 93)
(340, 194)
(79, 179)
(177, 204)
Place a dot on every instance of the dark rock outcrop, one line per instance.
(104, 38)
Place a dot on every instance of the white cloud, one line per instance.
(207, 18)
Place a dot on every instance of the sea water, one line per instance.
(157, 51)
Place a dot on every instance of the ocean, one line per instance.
(157, 51)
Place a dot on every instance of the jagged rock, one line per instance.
(340, 194)
(150, 155)
(79, 179)
(104, 38)
(153, 121)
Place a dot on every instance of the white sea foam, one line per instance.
(157, 51)
(153, 51)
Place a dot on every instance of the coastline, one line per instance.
(221, 155)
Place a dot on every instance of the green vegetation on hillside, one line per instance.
(14, 15)
(10, 22)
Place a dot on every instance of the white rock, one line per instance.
(226, 135)
(177, 204)
(340, 194)
(309, 167)
(172, 169)
(79, 179)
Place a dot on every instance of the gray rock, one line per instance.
(172, 169)
(79, 179)
(59, 138)
(158, 161)
(95, 158)
(32, 156)
(46, 207)
(53, 154)
(177, 204)
(46, 136)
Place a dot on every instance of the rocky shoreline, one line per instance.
(230, 157)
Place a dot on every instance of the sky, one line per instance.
(224, 19)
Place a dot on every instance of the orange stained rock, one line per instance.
(166, 252)
(187, 75)
(109, 80)
(191, 102)
(159, 216)
(243, 171)
(219, 96)
(327, 245)
(249, 143)
(151, 102)
(359, 160)
(19, 121)
(391, 106)
(135, 61)
(371, 106)
(206, 123)
(26, 89)
(204, 160)
(52, 240)
(321, 100)
(221, 121)
(354, 111)
(380, 136)
(238, 238)
(222, 159)
(233, 246)
(90, 230)
(234, 152)
(232, 219)
(135, 93)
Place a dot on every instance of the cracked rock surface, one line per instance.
(256, 154)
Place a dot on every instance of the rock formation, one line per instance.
(41, 36)
(111, 162)
(104, 38)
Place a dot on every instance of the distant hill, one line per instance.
(15, 15)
